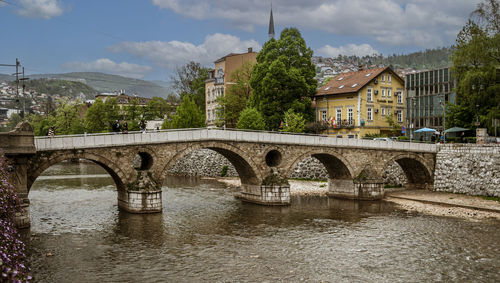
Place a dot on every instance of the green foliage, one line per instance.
(282, 78)
(395, 127)
(67, 120)
(61, 87)
(476, 60)
(235, 99)
(251, 119)
(189, 80)
(157, 107)
(95, 118)
(41, 124)
(188, 115)
(223, 172)
(294, 122)
(14, 119)
(111, 111)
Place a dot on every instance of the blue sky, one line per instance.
(149, 38)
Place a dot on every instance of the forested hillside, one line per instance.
(62, 88)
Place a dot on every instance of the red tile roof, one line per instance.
(352, 82)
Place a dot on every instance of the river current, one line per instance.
(78, 234)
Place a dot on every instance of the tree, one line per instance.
(251, 119)
(188, 115)
(283, 78)
(157, 107)
(395, 127)
(95, 118)
(67, 121)
(235, 99)
(294, 122)
(112, 111)
(14, 119)
(189, 80)
(476, 61)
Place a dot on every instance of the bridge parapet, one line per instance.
(188, 135)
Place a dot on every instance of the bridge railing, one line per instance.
(217, 134)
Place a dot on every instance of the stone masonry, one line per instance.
(468, 169)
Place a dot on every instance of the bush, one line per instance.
(223, 172)
(251, 119)
(12, 257)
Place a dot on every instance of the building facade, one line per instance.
(123, 99)
(220, 79)
(356, 104)
(428, 92)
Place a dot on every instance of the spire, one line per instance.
(271, 24)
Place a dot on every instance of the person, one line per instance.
(143, 126)
(462, 137)
(124, 127)
(116, 127)
(433, 138)
(421, 138)
(51, 132)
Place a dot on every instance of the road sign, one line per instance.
(403, 130)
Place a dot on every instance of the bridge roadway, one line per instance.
(139, 162)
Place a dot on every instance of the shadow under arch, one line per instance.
(245, 167)
(336, 166)
(417, 171)
(114, 171)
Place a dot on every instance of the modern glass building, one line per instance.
(427, 94)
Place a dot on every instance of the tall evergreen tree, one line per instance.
(283, 78)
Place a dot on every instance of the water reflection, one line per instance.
(204, 233)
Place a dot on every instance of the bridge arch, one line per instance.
(111, 168)
(336, 165)
(245, 167)
(419, 173)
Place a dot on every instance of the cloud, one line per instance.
(349, 49)
(44, 9)
(106, 65)
(424, 23)
(169, 54)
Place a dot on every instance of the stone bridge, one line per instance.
(138, 162)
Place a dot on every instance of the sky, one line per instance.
(148, 39)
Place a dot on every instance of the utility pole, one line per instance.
(24, 98)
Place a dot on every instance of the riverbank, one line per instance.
(422, 201)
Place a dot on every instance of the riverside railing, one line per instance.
(211, 134)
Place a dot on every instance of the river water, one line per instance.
(78, 234)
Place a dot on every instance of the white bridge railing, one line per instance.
(187, 135)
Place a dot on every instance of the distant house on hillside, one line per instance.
(124, 99)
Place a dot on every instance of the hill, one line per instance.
(62, 87)
(106, 83)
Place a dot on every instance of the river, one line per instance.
(78, 234)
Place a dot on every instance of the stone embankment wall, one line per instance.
(205, 162)
(468, 169)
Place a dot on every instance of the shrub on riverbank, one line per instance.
(12, 251)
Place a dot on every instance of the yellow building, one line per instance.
(220, 79)
(355, 104)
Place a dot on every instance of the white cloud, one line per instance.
(425, 23)
(349, 49)
(44, 9)
(169, 54)
(106, 65)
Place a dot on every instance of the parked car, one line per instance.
(382, 139)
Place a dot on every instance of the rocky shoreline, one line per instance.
(425, 202)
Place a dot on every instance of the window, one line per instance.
(400, 97)
(369, 96)
(369, 114)
(367, 75)
(388, 93)
(341, 78)
(389, 78)
(388, 111)
(327, 88)
(355, 85)
(341, 86)
(383, 78)
(383, 111)
(350, 116)
(400, 116)
(383, 92)
(338, 117)
(208, 115)
(323, 115)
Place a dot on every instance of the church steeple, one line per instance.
(271, 24)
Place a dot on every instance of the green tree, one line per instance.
(395, 127)
(294, 122)
(157, 107)
(189, 80)
(251, 119)
(283, 78)
(95, 118)
(188, 115)
(476, 61)
(235, 99)
(112, 111)
(41, 124)
(14, 119)
(67, 120)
